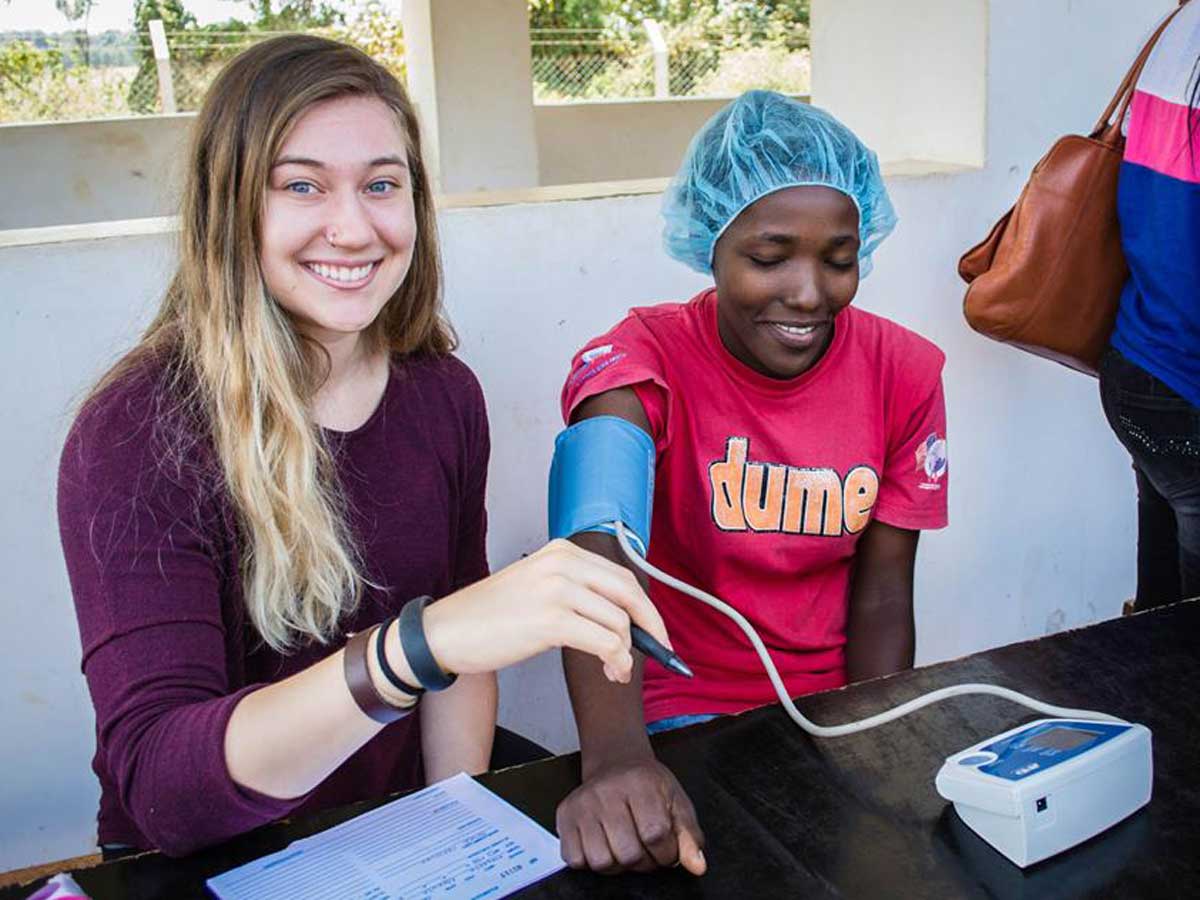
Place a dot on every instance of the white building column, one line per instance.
(468, 64)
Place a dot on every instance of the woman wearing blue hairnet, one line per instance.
(799, 448)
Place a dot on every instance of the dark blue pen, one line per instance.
(656, 651)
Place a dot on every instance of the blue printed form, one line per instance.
(455, 839)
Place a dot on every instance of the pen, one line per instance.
(656, 651)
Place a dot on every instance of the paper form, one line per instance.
(455, 839)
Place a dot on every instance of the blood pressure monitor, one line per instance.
(1031, 792)
(1048, 785)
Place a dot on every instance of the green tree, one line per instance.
(143, 90)
(75, 10)
(21, 64)
(721, 45)
(289, 15)
(554, 14)
(746, 19)
(173, 13)
(376, 31)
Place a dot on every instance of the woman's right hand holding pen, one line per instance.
(560, 596)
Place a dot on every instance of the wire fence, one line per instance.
(195, 60)
(586, 64)
(64, 78)
(68, 78)
(54, 79)
(581, 64)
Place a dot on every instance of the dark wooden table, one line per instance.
(787, 815)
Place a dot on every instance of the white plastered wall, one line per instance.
(615, 139)
(59, 173)
(66, 173)
(908, 77)
(1042, 503)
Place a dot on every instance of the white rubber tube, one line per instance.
(957, 690)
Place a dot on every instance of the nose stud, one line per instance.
(331, 236)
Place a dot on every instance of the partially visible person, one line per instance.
(798, 446)
(1150, 376)
(291, 455)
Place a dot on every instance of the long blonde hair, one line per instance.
(234, 356)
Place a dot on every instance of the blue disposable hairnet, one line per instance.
(764, 142)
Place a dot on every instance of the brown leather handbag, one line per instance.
(1048, 278)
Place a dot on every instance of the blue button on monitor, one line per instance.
(975, 760)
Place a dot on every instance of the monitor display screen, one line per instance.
(1061, 739)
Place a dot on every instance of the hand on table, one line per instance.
(630, 816)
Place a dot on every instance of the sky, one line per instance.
(31, 15)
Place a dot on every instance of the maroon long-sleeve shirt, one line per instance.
(152, 549)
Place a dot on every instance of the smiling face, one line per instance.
(338, 226)
(785, 267)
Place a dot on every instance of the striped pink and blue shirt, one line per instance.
(1158, 202)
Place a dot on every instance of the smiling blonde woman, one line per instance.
(291, 457)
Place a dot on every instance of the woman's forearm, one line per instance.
(286, 738)
(457, 727)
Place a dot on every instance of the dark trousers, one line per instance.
(1161, 431)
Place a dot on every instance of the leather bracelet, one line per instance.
(416, 648)
(386, 667)
(358, 680)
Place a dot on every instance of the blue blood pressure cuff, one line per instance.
(603, 472)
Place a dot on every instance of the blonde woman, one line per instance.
(288, 456)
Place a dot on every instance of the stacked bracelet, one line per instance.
(386, 668)
(416, 648)
(358, 680)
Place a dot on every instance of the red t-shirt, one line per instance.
(763, 487)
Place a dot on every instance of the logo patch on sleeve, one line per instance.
(595, 353)
(594, 361)
(932, 461)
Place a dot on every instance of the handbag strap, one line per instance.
(1124, 94)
